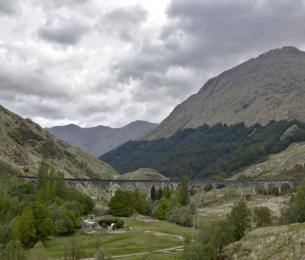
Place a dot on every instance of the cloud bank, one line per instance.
(98, 62)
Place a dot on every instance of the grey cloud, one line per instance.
(30, 83)
(37, 108)
(9, 7)
(61, 3)
(209, 36)
(124, 22)
(63, 32)
(101, 108)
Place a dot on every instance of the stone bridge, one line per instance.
(112, 184)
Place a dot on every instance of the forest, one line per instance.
(205, 152)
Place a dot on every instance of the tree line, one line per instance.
(32, 212)
(219, 150)
(162, 203)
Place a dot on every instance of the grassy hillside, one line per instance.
(277, 164)
(279, 242)
(144, 174)
(219, 150)
(23, 144)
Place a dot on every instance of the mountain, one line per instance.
(269, 87)
(24, 144)
(208, 151)
(101, 139)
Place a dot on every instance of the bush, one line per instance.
(239, 219)
(211, 239)
(161, 209)
(24, 228)
(121, 204)
(13, 251)
(118, 223)
(64, 221)
(181, 215)
(197, 251)
(295, 213)
(262, 216)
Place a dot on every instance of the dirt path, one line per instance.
(169, 250)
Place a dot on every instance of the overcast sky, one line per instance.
(110, 62)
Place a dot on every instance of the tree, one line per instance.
(239, 219)
(161, 209)
(159, 193)
(262, 216)
(24, 228)
(153, 193)
(64, 221)
(295, 213)
(121, 204)
(139, 201)
(167, 192)
(13, 251)
(184, 197)
(43, 223)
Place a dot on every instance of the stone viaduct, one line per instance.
(111, 185)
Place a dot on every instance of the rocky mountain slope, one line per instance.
(269, 87)
(23, 144)
(101, 139)
(278, 242)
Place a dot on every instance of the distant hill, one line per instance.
(23, 144)
(269, 87)
(101, 139)
(143, 174)
(216, 151)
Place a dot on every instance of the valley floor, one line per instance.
(145, 236)
(156, 239)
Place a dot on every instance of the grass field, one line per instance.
(146, 235)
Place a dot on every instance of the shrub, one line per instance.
(121, 204)
(161, 209)
(118, 223)
(262, 216)
(64, 221)
(181, 215)
(139, 202)
(239, 219)
(211, 239)
(197, 251)
(295, 213)
(248, 197)
(24, 228)
(13, 251)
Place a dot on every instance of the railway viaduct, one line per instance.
(112, 184)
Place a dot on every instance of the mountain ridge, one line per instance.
(100, 139)
(24, 144)
(268, 87)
